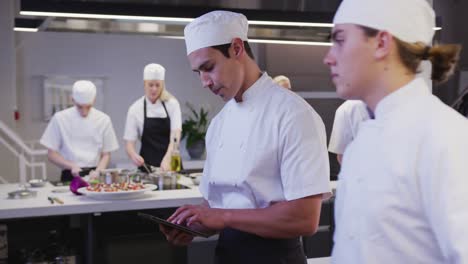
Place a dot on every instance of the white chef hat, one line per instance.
(409, 20)
(83, 92)
(215, 28)
(154, 71)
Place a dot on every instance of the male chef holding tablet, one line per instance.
(267, 167)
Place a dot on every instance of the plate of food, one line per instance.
(116, 191)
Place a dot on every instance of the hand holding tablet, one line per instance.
(182, 228)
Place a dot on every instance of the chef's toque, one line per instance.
(215, 28)
(409, 20)
(84, 92)
(154, 71)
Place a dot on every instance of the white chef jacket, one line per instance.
(135, 116)
(348, 116)
(270, 147)
(78, 139)
(401, 194)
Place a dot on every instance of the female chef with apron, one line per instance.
(155, 118)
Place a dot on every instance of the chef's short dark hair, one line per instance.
(224, 48)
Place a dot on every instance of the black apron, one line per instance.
(67, 176)
(237, 247)
(155, 138)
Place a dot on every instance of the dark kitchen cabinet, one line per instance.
(123, 237)
(44, 240)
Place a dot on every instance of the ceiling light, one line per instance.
(167, 13)
(180, 20)
(25, 29)
(106, 16)
(293, 42)
(271, 41)
(27, 25)
(291, 24)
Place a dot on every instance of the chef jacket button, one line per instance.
(241, 145)
(359, 179)
(351, 237)
(220, 145)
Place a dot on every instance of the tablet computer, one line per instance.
(172, 225)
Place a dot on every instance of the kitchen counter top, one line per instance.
(80, 204)
(74, 204)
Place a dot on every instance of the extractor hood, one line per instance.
(168, 18)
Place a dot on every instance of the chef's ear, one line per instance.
(238, 46)
(382, 45)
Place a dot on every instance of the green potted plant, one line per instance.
(194, 129)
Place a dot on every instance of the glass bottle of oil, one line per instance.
(175, 157)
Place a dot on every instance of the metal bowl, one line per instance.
(110, 176)
(36, 183)
(164, 180)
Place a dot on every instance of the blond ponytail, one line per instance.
(444, 58)
(165, 95)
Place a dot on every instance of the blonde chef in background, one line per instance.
(80, 139)
(155, 118)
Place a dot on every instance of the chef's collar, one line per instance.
(414, 89)
(148, 102)
(370, 113)
(255, 89)
(80, 116)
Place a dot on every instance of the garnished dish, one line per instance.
(115, 187)
(116, 191)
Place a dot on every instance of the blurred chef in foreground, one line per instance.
(267, 168)
(156, 119)
(80, 139)
(401, 194)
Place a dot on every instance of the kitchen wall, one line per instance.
(118, 58)
(302, 64)
(8, 164)
(7, 62)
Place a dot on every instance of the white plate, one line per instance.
(121, 195)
